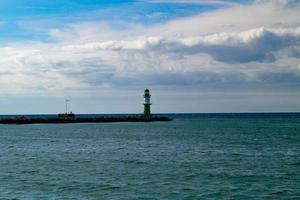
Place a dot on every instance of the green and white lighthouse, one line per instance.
(147, 103)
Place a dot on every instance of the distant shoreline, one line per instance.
(158, 115)
(132, 114)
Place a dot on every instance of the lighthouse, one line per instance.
(147, 103)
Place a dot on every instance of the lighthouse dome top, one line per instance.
(147, 90)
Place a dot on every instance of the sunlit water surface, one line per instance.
(193, 157)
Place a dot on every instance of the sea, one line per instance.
(195, 156)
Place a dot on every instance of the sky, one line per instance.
(193, 55)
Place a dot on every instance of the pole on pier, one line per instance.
(66, 101)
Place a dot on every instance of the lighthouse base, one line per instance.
(147, 111)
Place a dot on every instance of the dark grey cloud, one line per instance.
(255, 45)
(260, 45)
(205, 79)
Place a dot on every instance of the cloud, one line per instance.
(281, 3)
(257, 45)
(230, 48)
(215, 2)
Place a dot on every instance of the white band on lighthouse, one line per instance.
(147, 100)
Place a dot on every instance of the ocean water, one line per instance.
(196, 156)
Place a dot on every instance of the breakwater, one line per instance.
(26, 120)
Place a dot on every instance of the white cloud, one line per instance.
(254, 45)
(233, 47)
(195, 2)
